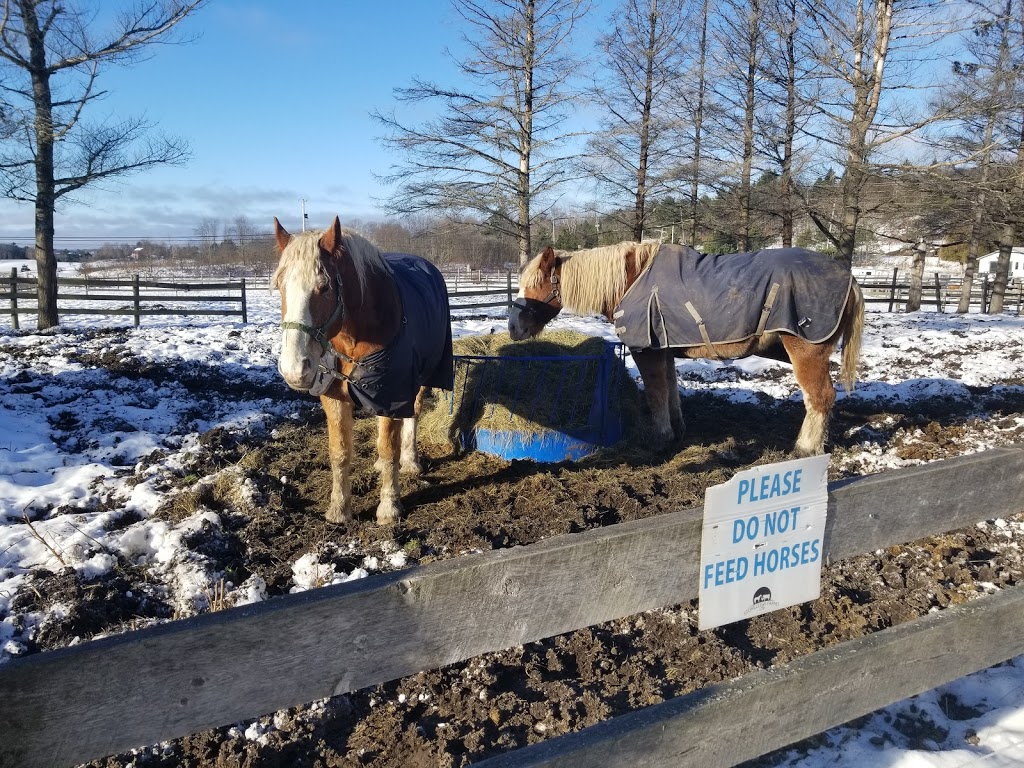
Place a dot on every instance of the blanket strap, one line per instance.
(703, 331)
(766, 310)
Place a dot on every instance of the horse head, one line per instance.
(311, 278)
(540, 297)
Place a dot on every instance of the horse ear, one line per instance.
(280, 235)
(330, 240)
(547, 256)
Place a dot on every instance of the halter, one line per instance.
(318, 333)
(544, 307)
(327, 374)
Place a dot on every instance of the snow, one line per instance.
(75, 439)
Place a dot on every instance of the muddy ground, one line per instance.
(269, 489)
(500, 701)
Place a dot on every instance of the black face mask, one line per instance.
(540, 311)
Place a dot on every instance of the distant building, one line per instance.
(987, 263)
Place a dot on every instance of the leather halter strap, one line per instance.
(556, 294)
(318, 333)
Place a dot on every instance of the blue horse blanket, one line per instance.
(684, 298)
(420, 355)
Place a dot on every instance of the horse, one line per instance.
(669, 301)
(368, 329)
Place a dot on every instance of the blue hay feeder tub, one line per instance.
(569, 401)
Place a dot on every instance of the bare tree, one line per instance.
(1007, 21)
(738, 42)
(787, 90)
(245, 234)
(496, 149)
(698, 107)
(632, 155)
(207, 232)
(979, 97)
(867, 49)
(52, 58)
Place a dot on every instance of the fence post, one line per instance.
(245, 317)
(938, 294)
(984, 293)
(135, 293)
(14, 298)
(508, 289)
(892, 291)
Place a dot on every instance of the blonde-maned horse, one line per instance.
(360, 327)
(669, 301)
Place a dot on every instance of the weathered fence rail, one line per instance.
(72, 705)
(503, 290)
(942, 293)
(135, 297)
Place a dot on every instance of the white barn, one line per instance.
(987, 263)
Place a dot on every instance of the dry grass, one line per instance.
(219, 491)
(500, 386)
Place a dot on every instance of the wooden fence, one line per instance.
(135, 297)
(500, 285)
(942, 293)
(71, 705)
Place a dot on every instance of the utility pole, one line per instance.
(302, 202)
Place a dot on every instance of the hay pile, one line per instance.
(498, 386)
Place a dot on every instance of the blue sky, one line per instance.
(275, 100)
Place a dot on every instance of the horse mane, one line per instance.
(593, 278)
(303, 255)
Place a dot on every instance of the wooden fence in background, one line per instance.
(942, 293)
(71, 705)
(135, 297)
(483, 284)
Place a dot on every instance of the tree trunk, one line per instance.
(967, 284)
(1002, 273)
(46, 259)
(916, 278)
(753, 20)
(698, 123)
(867, 91)
(971, 267)
(790, 131)
(640, 206)
(526, 144)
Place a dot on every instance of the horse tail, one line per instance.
(852, 329)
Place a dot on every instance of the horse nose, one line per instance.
(297, 373)
(515, 326)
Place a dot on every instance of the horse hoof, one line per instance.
(388, 513)
(338, 515)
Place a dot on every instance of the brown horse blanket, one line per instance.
(420, 355)
(689, 299)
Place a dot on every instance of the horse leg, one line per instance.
(810, 366)
(410, 462)
(389, 446)
(675, 408)
(339, 443)
(651, 364)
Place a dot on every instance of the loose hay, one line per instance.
(549, 385)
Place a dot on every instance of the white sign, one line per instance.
(761, 548)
